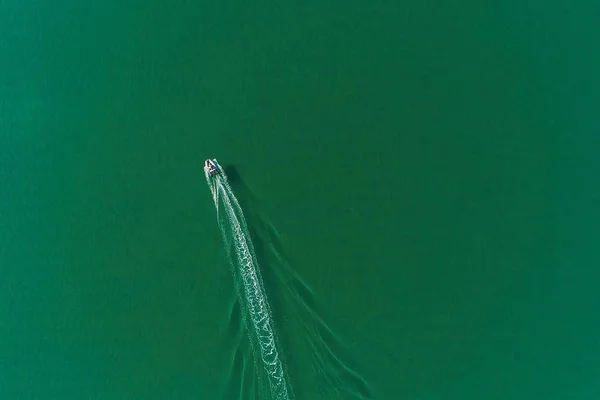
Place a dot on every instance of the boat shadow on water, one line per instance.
(319, 364)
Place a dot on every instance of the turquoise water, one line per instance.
(418, 179)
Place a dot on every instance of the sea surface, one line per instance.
(419, 179)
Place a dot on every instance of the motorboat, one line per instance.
(212, 167)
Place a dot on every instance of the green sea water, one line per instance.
(419, 181)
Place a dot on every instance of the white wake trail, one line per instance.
(251, 290)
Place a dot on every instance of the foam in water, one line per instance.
(250, 286)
